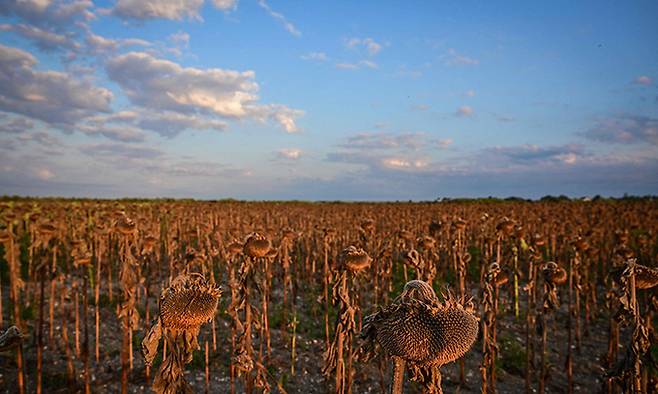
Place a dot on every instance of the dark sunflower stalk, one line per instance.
(52, 275)
(352, 260)
(570, 316)
(553, 276)
(82, 260)
(70, 368)
(492, 280)
(185, 305)
(45, 234)
(128, 314)
(148, 257)
(234, 250)
(255, 247)
(289, 322)
(611, 303)
(326, 281)
(407, 243)
(99, 251)
(534, 257)
(632, 277)
(581, 246)
(461, 258)
(266, 281)
(7, 238)
(429, 259)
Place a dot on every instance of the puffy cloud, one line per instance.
(43, 39)
(171, 123)
(384, 152)
(166, 9)
(158, 9)
(51, 96)
(159, 85)
(42, 138)
(58, 14)
(290, 28)
(15, 125)
(464, 111)
(643, 80)
(98, 44)
(114, 132)
(166, 123)
(286, 117)
(453, 58)
(625, 129)
(370, 46)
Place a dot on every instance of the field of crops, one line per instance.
(187, 296)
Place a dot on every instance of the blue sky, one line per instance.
(349, 100)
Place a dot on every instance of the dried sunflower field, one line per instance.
(167, 296)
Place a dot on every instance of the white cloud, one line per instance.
(356, 66)
(45, 174)
(285, 116)
(181, 41)
(158, 9)
(43, 39)
(370, 46)
(316, 56)
(98, 44)
(166, 123)
(401, 163)
(163, 85)
(52, 96)
(118, 133)
(643, 80)
(56, 15)
(568, 158)
(464, 111)
(180, 38)
(289, 154)
(290, 28)
(470, 93)
(42, 138)
(225, 5)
